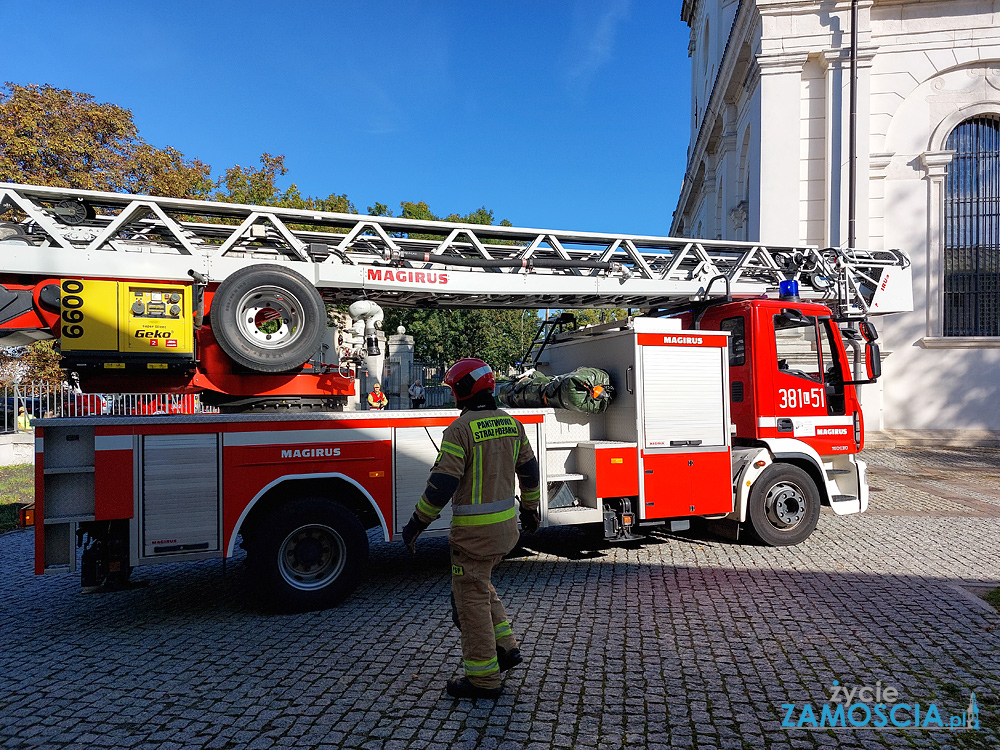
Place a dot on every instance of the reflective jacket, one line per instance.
(377, 400)
(480, 454)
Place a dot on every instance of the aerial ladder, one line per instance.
(230, 300)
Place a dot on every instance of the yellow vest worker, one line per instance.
(377, 399)
(480, 454)
(23, 420)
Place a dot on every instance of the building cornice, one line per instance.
(782, 62)
(842, 57)
(688, 10)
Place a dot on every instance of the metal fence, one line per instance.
(398, 378)
(39, 400)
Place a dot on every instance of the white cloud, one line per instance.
(592, 42)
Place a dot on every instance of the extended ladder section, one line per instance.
(410, 262)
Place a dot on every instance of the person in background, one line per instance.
(417, 396)
(377, 399)
(23, 420)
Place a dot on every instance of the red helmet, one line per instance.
(467, 377)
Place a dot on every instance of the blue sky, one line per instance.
(567, 115)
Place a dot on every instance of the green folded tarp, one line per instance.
(586, 389)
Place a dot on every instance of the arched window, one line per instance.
(972, 230)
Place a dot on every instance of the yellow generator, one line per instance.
(126, 325)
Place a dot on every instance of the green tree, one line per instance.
(64, 138)
(36, 363)
(499, 337)
(595, 316)
(260, 187)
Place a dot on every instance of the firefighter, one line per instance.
(377, 399)
(480, 453)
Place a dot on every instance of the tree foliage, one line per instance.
(597, 315)
(260, 187)
(62, 138)
(36, 363)
(499, 337)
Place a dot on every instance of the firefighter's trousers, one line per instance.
(481, 617)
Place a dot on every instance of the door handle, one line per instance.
(785, 425)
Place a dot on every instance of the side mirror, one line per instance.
(873, 360)
(868, 332)
(795, 316)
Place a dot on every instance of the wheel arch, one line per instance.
(803, 456)
(808, 465)
(334, 486)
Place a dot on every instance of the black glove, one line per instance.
(412, 530)
(530, 520)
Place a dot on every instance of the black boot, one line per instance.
(508, 659)
(462, 688)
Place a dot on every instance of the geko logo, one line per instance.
(152, 334)
(874, 706)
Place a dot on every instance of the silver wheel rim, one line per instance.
(785, 505)
(311, 557)
(265, 306)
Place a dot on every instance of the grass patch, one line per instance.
(17, 488)
(993, 597)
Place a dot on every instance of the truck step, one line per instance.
(573, 516)
(830, 473)
(566, 477)
(844, 499)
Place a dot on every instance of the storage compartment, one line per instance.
(687, 484)
(69, 495)
(180, 501)
(684, 395)
(60, 548)
(611, 468)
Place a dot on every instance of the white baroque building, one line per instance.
(768, 160)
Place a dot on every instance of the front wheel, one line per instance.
(308, 554)
(784, 506)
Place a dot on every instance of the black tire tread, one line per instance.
(272, 530)
(243, 352)
(757, 514)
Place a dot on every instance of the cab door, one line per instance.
(807, 374)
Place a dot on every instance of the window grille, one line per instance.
(972, 230)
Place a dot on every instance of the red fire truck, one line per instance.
(731, 400)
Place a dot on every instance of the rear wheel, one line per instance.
(784, 506)
(268, 318)
(308, 554)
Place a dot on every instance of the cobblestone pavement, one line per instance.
(679, 641)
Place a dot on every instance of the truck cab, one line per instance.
(789, 375)
(794, 408)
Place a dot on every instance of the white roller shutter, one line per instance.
(683, 396)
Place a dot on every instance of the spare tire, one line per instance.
(268, 318)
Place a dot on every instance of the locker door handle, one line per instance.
(628, 379)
